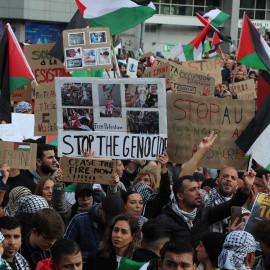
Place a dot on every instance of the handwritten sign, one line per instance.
(212, 67)
(147, 55)
(161, 71)
(176, 50)
(88, 170)
(23, 93)
(260, 211)
(87, 48)
(18, 155)
(190, 118)
(245, 89)
(45, 110)
(117, 118)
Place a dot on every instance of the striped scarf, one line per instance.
(20, 262)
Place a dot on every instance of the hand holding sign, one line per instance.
(58, 176)
(248, 179)
(163, 159)
(89, 153)
(5, 169)
(114, 180)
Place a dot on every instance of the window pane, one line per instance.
(261, 4)
(260, 15)
(162, 1)
(216, 3)
(268, 4)
(164, 10)
(184, 2)
(250, 13)
(268, 16)
(185, 10)
(199, 2)
(247, 4)
(174, 10)
(196, 9)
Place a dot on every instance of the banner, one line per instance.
(118, 118)
(45, 110)
(87, 48)
(45, 69)
(212, 67)
(190, 118)
(88, 170)
(161, 71)
(245, 89)
(18, 155)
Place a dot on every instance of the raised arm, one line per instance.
(204, 145)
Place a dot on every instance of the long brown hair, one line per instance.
(41, 184)
(106, 246)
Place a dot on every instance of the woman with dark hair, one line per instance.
(44, 188)
(121, 239)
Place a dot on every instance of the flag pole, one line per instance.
(116, 63)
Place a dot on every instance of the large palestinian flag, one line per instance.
(117, 15)
(253, 50)
(255, 138)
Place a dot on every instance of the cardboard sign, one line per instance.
(260, 211)
(45, 110)
(186, 81)
(212, 67)
(160, 61)
(161, 71)
(245, 89)
(18, 155)
(118, 118)
(132, 67)
(88, 170)
(23, 93)
(190, 118)
(147, 55)
(176, 50)
(87, 48)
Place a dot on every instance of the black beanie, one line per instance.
(83, 186)
(213, 243)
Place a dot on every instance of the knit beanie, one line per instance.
(83, 186)
(213, 243)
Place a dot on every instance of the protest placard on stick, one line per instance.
(88, 170)
(245, 89)
(190, 118)
(18, 155)
(146, 55)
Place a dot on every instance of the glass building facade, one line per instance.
(258, 10)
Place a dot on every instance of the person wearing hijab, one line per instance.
(238, 251)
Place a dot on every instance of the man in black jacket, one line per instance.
(187, 218)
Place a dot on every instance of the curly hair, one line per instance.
(106, 247)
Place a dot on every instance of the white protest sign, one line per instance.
(11, 133)
(25, 123)
(177, 49)
(118, 118)
(132, 67)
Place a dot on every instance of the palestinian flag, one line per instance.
(106, 88)
(215, 53)
(255, 138)
(20, 72)
(193, 51)
(213, 16)
(253, 50)
(206, 44)
(263, 88)
(45, 118)
(52, 140)
(117, 15)
(218, 38)
(21, 147)
(77, 21)
(140, 51)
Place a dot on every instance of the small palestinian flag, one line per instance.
(218, 38)
(255, 138)
(52, 140)
(215, 53)
(253, 51)
(21, 147)
(106, 88)
(206, 44)
(45, 118)
(140, 51)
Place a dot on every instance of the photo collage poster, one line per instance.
(118, 118)
(87, 48)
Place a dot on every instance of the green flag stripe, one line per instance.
(220, 19)
(253, 60)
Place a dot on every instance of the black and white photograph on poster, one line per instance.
(104, 56)
(74, 63)
(76, 94)
(142, 95)
(76, 39)
(98, 37)
(89, 57)
(74, 53)
(109, 100)
(132, 67)
(78, 119)
(115, 131)
(143, 122)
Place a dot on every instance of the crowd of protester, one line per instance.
(167, 216)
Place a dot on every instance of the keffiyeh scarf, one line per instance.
(145, 191)
(20, 262)
(187, 217)
(237, 246)
(31, 204)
